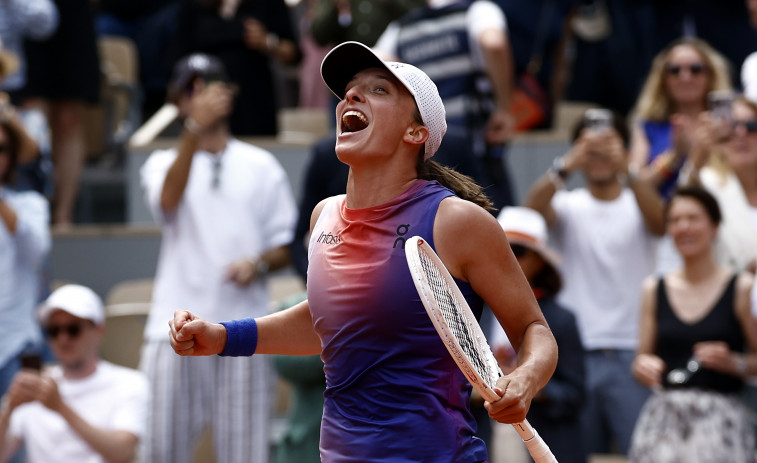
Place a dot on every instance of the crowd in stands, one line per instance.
(645, 272)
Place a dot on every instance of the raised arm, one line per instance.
(210, 104)
(484, 259)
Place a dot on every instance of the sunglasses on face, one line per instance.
(750, 126)
(73, 330)
(519, 250)
(694, 69)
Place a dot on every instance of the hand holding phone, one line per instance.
(31, 362)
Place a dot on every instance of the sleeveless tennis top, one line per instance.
(676, 339)
(393, 393)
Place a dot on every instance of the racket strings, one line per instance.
(449, 306)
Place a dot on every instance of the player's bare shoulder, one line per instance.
(457, 215)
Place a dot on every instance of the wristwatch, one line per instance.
(558, 167)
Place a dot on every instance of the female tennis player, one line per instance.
(393, 392)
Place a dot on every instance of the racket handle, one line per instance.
(534, 443)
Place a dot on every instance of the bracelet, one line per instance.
(192, 126)
(241, 338)
(558, 167)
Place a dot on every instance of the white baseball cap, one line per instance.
(77, 300)
(345, 60)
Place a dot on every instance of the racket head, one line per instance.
(452, 317)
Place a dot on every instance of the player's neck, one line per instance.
(367, 189)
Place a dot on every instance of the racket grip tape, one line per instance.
(534, 443)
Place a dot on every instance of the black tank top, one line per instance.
(676, 339)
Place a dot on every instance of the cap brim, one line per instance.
(545, 252)
(345, 60)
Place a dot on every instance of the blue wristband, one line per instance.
(241, 337)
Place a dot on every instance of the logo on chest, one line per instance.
(401, 232)
(328, 238)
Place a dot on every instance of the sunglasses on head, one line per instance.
(750, 126)
(73, 330)
(519, 250)
(694, 69)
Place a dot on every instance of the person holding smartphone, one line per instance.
(606, 233)
(674, 96)
(82, 409)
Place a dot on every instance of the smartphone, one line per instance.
(598, 119)
(720, 103)
(31, 362)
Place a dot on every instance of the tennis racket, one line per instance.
(461, 334)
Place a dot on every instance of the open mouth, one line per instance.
(353, 121)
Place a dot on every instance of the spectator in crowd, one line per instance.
(83, 408)
(25, 243)
(556, 408)
(696, 323)
(20, 19)
(312, 94)
(227, 214)
(539, 34)
(476, 90)
(70, 55)
(599, 33)
(363, 21)
(606, 233)
(669, 105)
(727, 168)
(33, 170)
(247, 36)
(749, 68)
(151, 25)
(723, 25)
(305, 375)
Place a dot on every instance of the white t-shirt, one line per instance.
(749, 77)
(607, 251)
(249, 211)
(482, 15)
(113, 398)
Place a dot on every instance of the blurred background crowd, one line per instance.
(643, 261)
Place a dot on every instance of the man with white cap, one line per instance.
(83, 409)
(393, 392)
